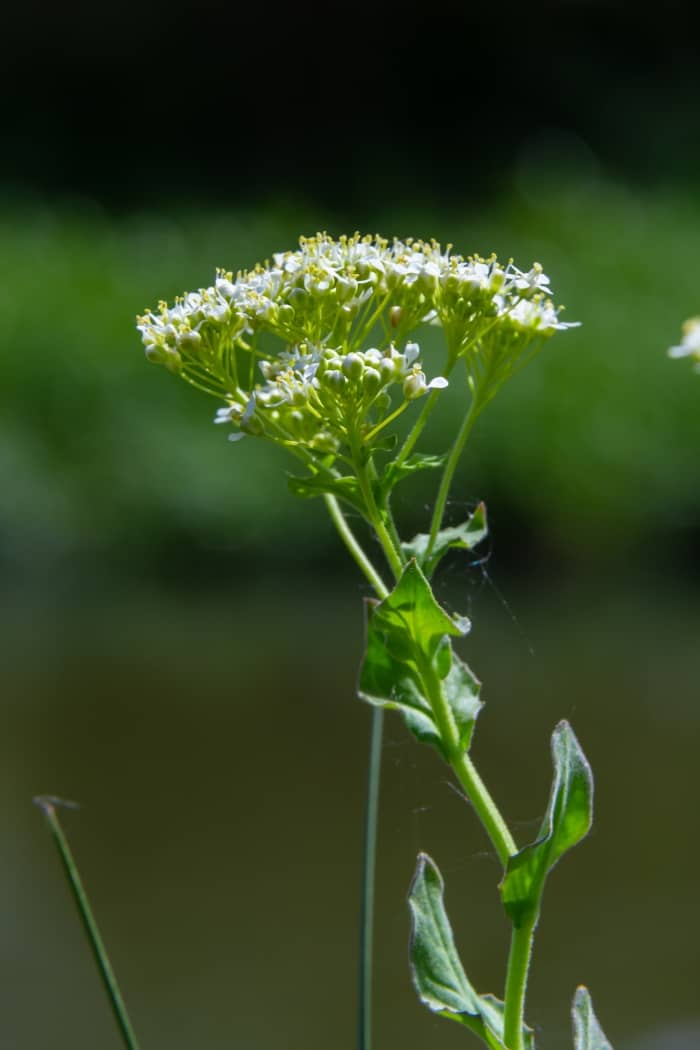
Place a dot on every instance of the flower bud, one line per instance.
(387, 370)
(371, 380)
(154, 354)
(190, 339)
(395, 315)
(172, 360)
(497, 279)
(353, 366)
(335, 380)
(414, 385)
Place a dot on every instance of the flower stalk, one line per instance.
(332, 400)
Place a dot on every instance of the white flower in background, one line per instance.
(689, 345)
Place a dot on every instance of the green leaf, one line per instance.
(588, 1035)
(388, 681)
(346, 488)
(567, 820)
(396, 472)
(404, 632)
(464, 536)
(438, 974)
(411, 614)
(462, 689)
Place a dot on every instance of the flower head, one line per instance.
(285, 344)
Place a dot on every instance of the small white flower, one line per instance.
(411, 352)
(689, 345)
(415, 384)
(527, 284)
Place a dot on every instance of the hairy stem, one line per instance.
(516, 984)
(48, 807)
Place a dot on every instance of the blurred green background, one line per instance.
(181, 637)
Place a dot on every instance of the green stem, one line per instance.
(516, 983)
(448, 472)
(463, 767)
(392, 552)
(48, 807)
(393, 531)
(487, 810)
(417, 428)
(423, 416)
(349, 539)
(369, 866)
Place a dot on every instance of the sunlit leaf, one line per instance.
(461, 688)
(407, 633)
(588, 1035)
(567, 820)
(438, 974)
(411, 611)
(386, 680)
(464, 536)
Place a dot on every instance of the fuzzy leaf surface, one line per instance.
(588, 1035)
(437, 972)
(567, 820)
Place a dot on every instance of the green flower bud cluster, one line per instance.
(320, 397)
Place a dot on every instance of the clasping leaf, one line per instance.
(588, 1035)
(438, 974)
(405, 633)
(567, 820)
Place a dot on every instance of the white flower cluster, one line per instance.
(689, 345)
(325, 301)
(327, 281)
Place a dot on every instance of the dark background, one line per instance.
(237, 103)
(181, 638)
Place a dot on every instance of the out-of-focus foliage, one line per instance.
(594, 446)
